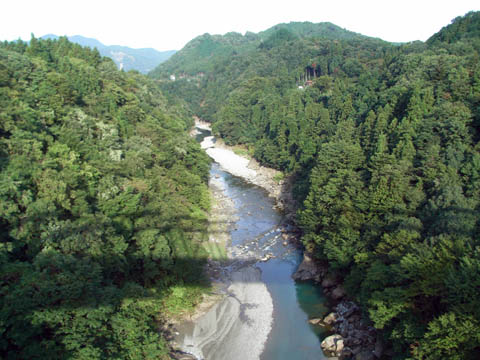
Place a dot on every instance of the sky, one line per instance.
(169, 25)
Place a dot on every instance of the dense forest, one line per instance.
(126, 58)
(103, 206)
(210, 67)
(383, 143)
(104, 200)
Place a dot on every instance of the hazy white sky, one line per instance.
(166, 25)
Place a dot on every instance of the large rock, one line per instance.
(316, 321)
(333, 345)
(331, 318)
(344, 328)
(346, 308)
(354, 319)
(338, 293)
(307, 270)
(362, 335)
(329, 281)
(353, 341)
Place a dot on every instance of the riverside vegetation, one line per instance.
(382, 142)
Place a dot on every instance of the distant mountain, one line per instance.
(197, 55)
(324, 30)
(210, 67)
(142, 60)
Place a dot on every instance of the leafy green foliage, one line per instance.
(383, 143)
(103, 203)
(277, 38)
(462, 27)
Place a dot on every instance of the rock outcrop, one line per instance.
(338, 293)
(358, 339)
(352, 338)
(333, 345)
(308, 270)
(331, 318)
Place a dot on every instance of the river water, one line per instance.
(258, 231)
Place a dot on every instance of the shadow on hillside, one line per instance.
(66, 301)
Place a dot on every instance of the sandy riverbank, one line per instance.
(247, 168)
(237, 326)
(228, 160)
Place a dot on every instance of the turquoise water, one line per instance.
(291, 337)
(259, 227)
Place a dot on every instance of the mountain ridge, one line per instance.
(195, 56)
(126, 58)
(462, 27)
(324, 29)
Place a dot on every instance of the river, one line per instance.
(264, 314)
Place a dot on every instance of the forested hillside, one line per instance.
(143, 60)
(382, 141)
(209, 67)
(103, 202)
(207, 52)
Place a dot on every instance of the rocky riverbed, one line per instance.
(251, 171)
(352, 336)
(234, 320)
(237, 326)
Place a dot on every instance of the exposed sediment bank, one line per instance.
(237, 326)
(359, 338)
(248, 169)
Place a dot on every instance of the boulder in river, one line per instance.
(333, 345)
(316, 321)
(267, 257)
(307, 270)
(330, 318)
